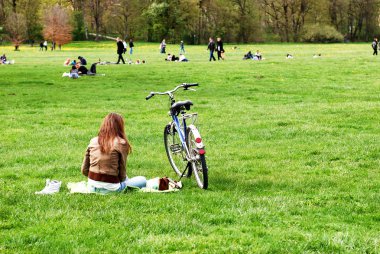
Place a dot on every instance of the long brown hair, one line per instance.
(111, 128)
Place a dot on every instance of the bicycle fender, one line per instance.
(196, 135)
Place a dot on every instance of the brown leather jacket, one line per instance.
(110, 168)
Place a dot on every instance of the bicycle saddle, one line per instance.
(176, 107)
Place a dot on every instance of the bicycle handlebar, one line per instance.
(184, 85)
(149, 96)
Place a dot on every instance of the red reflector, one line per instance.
(201, 151)
(198, 140)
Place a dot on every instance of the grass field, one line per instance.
(292, 149)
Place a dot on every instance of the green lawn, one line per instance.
(292, 148)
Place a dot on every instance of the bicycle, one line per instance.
(183, 143)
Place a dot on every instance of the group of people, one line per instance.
(122, 48)
(44, 45)
(218, 47)
(173, 58)
(250, 56)
(79, 68)
(81, 61)
(162, 47)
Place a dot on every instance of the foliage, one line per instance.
(57, 27)
(293, 154)
(318, 33)
(31, 10)
(196, 20)
(78, 26)
(16, 28)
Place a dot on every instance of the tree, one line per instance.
(286, 17)
(362, 18)
(30, 8)
(79, 32)
(97, 8)
(245, 18)
(2, 12)
(16, 28)
(57, 26)
(337, 13)
(122, 17)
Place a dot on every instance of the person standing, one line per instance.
(131, 45)
(120, 50)
(211, 48)
(163, 47)
(374, 46)
(182, 48)
(125, 46)
(45, 45)
(219, 48)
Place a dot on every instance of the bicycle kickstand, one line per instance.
(183, 173)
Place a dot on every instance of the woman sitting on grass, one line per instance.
(105, 160)
(74, 72)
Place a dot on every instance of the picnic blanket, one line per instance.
(81, 187)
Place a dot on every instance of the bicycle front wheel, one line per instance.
(197, 153)
(174, 150)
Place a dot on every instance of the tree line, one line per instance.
(192, 21)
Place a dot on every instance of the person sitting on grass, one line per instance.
(248, 56)
(82, 60)
(174, 58)
(105, 159)
(257, 55)
(82, 70)
(3, 59)
(67, 62)
(182, 58)
(74, 72)
(169, 57)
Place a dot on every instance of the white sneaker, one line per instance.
(51, 187)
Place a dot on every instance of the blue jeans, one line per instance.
(131, 51)
(212, 55)
(137, 181)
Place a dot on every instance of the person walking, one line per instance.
(45, 45)
(182, 48)
(374, 46)
(211, 48)
(120, 50)
(219, 48)
(163, 47)
(131, 45)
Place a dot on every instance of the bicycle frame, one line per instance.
(190, 155)
(182, 133)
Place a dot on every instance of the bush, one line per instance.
(324, 33)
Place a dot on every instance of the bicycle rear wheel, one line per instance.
(199, 160)
(174, 150)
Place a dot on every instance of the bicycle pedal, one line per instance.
(176, 148)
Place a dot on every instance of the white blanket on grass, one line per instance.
(81, 187)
